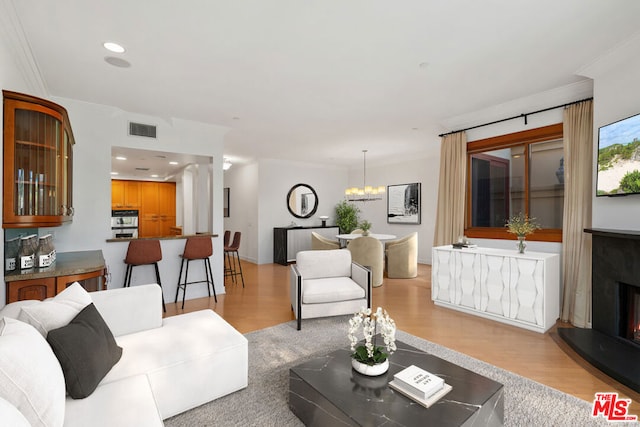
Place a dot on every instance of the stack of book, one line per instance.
(419, 385)
(463, 246)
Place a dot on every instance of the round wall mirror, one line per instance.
(302, 201)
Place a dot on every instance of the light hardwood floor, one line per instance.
(544, 358)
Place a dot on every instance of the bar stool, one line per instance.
(231, 253)
(143, 252)
(196, 247)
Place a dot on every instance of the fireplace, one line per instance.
(629, 307)
(613, 343)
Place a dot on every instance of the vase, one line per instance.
(521, 244)
(365, 233)
(370, 370)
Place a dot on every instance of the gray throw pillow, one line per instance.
(86, 350)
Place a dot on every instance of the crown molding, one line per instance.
(19, 48)
(613, 59)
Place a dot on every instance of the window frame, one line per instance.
(526, 138)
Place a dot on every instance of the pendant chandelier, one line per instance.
(367, 192)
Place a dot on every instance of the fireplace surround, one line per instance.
(616, 272)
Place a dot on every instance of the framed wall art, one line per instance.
(403, 203)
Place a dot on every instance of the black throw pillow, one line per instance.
(86, 351)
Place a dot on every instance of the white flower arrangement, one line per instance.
(370, 353)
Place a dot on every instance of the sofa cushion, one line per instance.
(86, 350)
(10, 415)
(330, 263)
(127, 402)
(196, 357)
(13, 309)
(30, 376)
(317, 291)
(56, 312)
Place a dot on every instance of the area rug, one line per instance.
(272, 351)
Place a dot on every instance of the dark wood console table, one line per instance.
(288, 241)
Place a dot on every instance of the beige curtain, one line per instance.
(451, 189)
(578, 193)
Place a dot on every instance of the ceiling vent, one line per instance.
(139, 129)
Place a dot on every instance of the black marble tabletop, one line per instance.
(327, 391)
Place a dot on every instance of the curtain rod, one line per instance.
(523, 115)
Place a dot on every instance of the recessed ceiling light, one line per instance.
(113, 47)
(114, 173)
(154, 176)
(121, 158)
(173, 163)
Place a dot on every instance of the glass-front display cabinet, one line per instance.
(38, 161)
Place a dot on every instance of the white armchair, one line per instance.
(327, 283)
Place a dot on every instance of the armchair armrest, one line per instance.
(129, 310)
(363, 277)
(295, 293)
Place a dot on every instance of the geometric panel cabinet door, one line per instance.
(37, 161)
(519, 289)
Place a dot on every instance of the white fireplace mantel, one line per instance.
(519, 289)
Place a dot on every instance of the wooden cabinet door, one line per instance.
(149, 218)
(39, 289)
(167, 202)
(37, 160)
(92, 281)
(117, 194)
(132, 194)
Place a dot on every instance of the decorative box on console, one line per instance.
(519, 289)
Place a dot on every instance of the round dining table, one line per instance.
(381, 237)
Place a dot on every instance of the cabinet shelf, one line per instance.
(36, 144)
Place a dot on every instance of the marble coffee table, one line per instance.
(326, 391)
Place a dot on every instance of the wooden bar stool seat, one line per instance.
(196, 248)
(143, 252)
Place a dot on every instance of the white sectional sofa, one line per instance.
(167, 365)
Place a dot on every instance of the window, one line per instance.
(519, 172)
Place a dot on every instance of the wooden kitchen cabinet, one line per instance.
(37, 162)
(85, 267)
(125, 194)
(31, 289)
(157, 209)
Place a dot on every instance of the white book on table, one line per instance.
(446, 388)
(418, 382)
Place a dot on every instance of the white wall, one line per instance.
(423, 169)
(616, 89)
(258, 194)
(17, 74)
(242, 181)
(96, 129)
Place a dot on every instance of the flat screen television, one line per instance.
(619, 158)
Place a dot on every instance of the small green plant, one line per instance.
(521, 225)
(365, 226)
(630, 183)
(347, 216)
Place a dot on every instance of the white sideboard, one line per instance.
(519, 289)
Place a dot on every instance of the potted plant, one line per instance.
(347, 216)
(370, 358)
(521, 225)
(365, 226)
